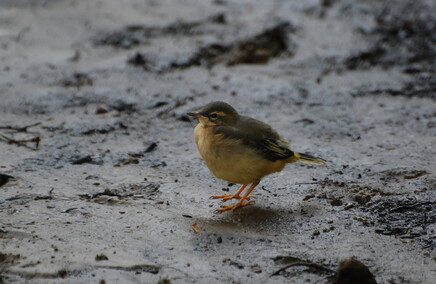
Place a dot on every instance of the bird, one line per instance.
(241, 149)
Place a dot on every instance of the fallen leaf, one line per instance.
(195, 228)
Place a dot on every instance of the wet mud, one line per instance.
(100, 178)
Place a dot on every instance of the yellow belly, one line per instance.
(232, 161)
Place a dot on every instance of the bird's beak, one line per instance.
(201, 117)
(195, 114)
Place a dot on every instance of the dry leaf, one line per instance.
(194, 227)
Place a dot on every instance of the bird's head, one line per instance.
(216, 113)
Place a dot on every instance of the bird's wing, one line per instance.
(273, 151)
(259, 136)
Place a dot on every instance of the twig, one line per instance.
(303, 263)
(22, 142)
(301, 183)
(20, 129)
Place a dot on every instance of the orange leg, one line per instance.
(241, 202)
(231, 196)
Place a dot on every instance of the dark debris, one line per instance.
(82, 160)
(407, 218)
(146, 189)
(4, 179)
(123, 106)
(404, 36)
(289, 261)
(141, 60)
(134, 35)
(353, 271)
(151, 147)
(77, 80)
(258, 49)
(103, 128)
(7, 136)
(24, 198)
(101, 257)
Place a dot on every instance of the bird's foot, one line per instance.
(230, 196)
(233, 207)
(227, 196)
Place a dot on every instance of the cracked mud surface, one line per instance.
(100, 178)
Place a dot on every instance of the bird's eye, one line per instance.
(213, 115)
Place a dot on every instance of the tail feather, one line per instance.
(307, 159)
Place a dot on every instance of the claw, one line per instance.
(233, 207)
(241, 202)
(230, 196)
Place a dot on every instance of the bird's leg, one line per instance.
(231, 196)
(241, 202)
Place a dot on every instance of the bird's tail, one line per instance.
(307, 159)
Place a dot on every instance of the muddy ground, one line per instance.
(101, 180)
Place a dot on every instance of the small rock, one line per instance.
(336, 202)
(129, 161)
(353, 271)
(309, 196)
(237, 264)
(362, 199)
(140, 60)
(164, 281)
(159, 104)
(101, 110)
(77, 80)
(150, 147)
(82, 160)
(4, 179)
(62, 273)
(256, 268)
(349, 205)
(100, 257)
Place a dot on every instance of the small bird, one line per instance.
(241, 150)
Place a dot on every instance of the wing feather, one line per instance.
(259, 136)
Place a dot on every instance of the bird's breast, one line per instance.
(230, 159)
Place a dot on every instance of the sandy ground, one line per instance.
(110, 192)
